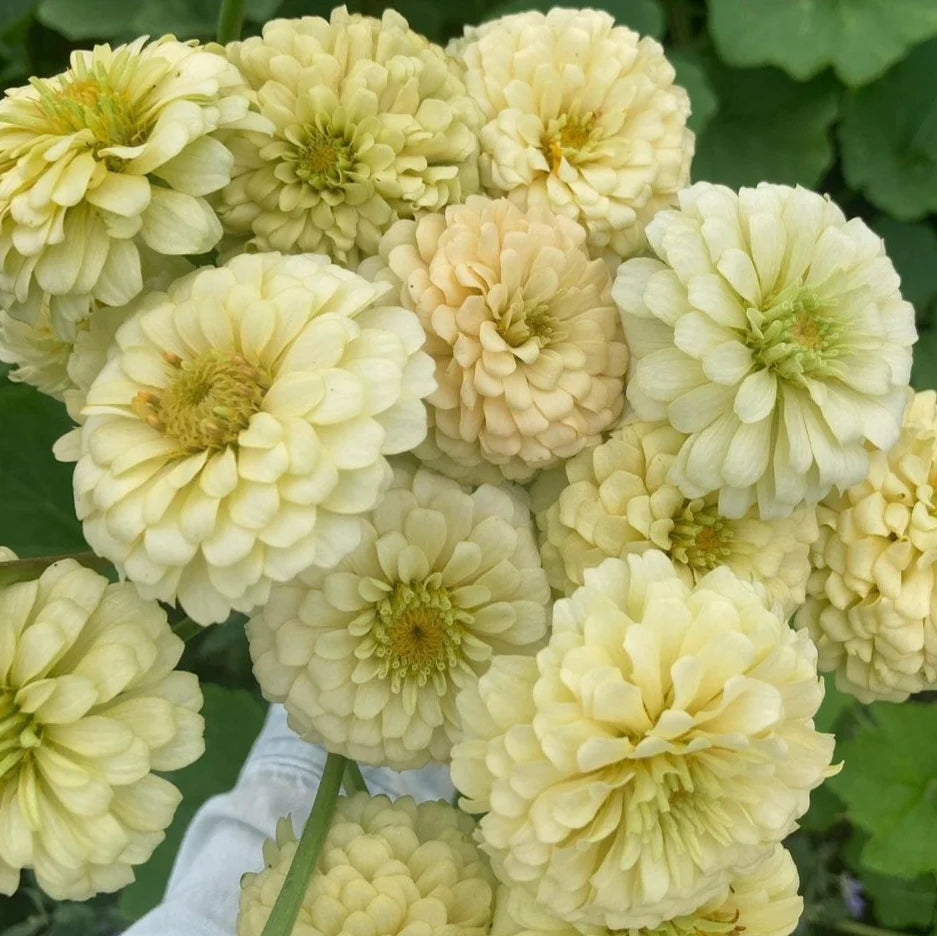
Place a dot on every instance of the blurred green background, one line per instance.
(836, 95)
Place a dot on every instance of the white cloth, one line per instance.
(226, 836)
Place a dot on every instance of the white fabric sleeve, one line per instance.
(226, 836)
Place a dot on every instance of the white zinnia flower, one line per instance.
(395, 869)
(615, 499)
(39, 357)
(368, 657)
(371, 124)
(89, 706)
(116, 152)
(530, 356)
(762, 902)
(661, 743)
(581, 116)
(771, 332)
(872, 605)
(241, 426)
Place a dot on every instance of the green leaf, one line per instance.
(924, 361)
(37, 514)
(913, 250)
(232, 720)
(860, 38)
(692, 76)
(889, 138)
(13, 11)
(889, 786)
(88, 19)
(901, 903)
(768, 128)
(835, 705)
(643, 16)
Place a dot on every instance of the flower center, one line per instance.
(522, 321)
(324, 160)
(566, 137)
(700, 537)
(18, 735)
(796, 335)
(418, 632)
(209, 401)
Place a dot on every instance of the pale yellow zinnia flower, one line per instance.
(530, 356)
(581, 116)
(395, 869)
(242, 424)
(37, 354)
(90, 706)
(371, 124)
(771, 332)
(872, 604)
(119, 150)
(368, 657)
(615, 499)
(661, 743)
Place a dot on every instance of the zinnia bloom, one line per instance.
(368, 657)
(616, 500)
(37, 355)
(771, 332)
(762, 902)
(388, 868)
(872, 605)
(581, 116)
(117, 151)
(90, 706)
(661, 743)
(530, 356)
(371, 124)
(241, 425)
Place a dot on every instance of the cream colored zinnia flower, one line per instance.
(872, 605)
(89, 706)
(368, 657)
(386, 868)
(117, 151)
(371, 124)
(529, 352)
(660, 744)
(581, 116)
(763, 902)
(39, 357)
(617, 500)
(771, 332)
(241, 426)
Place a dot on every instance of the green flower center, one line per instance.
(701, 538)
(19, 734)
(566, 137)
(324, 160)
(209, 401)
(418, 632)
(796, 335)
(522, 321)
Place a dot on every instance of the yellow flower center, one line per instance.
(19, 735)
(566, 137)
(209, 401)
(522, 321)
(418, 633)
(324, 159)
(700, 537)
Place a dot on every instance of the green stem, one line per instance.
(230, 20)
(354, 781)
(187, 629)
(863, 929)
(282, 918)
(24, 570)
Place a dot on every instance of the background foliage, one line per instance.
(837, 95)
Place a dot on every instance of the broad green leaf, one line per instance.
(13, 11)
(232, 720)
(889, 786)
(913, 250)
(901, 903)
(889, 138)
(643, 16)
(859, 38)
(692, 76)
(924, 361)
(88, 19)
(37, 514)
(768, 128)
(835, 705)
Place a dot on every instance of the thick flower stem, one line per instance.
(282, 918)
(187, 629)
(863, 929)
(353, 780)
(230, 20)
(24, 570)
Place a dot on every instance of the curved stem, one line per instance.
(186, 629)
(282, 918)
(24, 570)
(863, 929)
(230, 20)
(354, 781)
